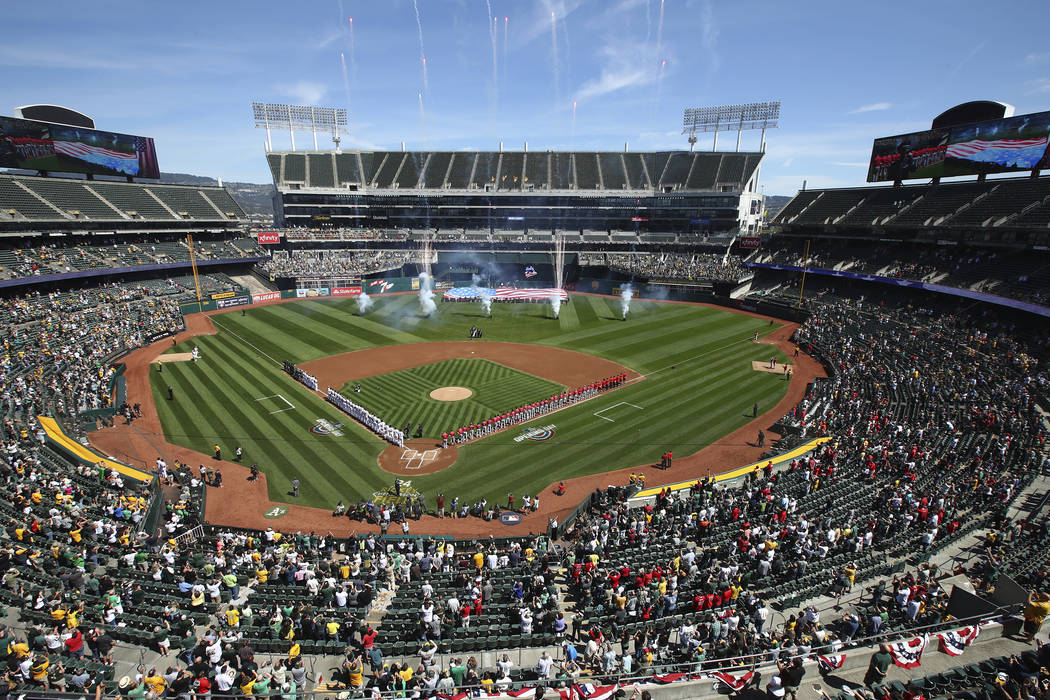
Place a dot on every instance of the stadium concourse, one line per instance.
(245, 505)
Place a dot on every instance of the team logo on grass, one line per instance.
(388, 495)
(275, 512)
(539, 434)
(510, 518)
(326, 427)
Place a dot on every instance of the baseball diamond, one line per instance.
(690, 366)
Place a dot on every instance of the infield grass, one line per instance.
(699, 387)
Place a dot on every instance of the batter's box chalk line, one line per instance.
(291, 407)
(410, 456)
(609, 408)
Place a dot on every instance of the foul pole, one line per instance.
(193, 266)
(805, 266)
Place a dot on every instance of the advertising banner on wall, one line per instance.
(265, 296)
(751, 242)
(268, 237)
(346, 291)
(233, 301)
(303, 293)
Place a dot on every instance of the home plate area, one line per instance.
(417, 457)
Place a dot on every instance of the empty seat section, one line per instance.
(321, 173)
(1008, 197)
(832, 205)
(185, 199)
(347, 169)
(462, 166)
(274, 161)
(677, 170)
(71, 195)
(635, 171)
(485, 171)
(510, 171)
(655, 163)
(129, 198)
(614, 177)
(537, 169)
(384, 178)
(732, 170)
(940, 200)
(408, 178)
(295, 167)
(796, 205)
(882, 203)
(437, 166)
(222, 199)
(705, 171)
(561, 173)
(586, 170)
(14, 197)
(370, 163)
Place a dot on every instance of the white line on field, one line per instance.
(243, 341)
(609, 408)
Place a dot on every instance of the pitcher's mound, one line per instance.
(451, 393)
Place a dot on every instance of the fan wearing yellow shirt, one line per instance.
(233, 617)
(155, 682)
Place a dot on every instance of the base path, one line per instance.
(241, 503)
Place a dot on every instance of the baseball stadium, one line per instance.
(580, 422)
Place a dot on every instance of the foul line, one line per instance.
(244, 341)
(622, 403)
(291, 406)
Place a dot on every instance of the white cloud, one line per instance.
(787, 163)
(873, 107)
(850, 164)
(1039, 85)
(305, 92)
(1035, 58)
(709, 36)
(612, 80)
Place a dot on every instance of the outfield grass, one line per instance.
(404, 396)
(699, 387)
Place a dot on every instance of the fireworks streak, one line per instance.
(422, 50)
(554, 53)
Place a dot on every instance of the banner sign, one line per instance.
(346, 291)
(913, 284)
(243, 300)
(752, 242)
(265, 296)
(269, 237)
(312, 292)
(221, 295)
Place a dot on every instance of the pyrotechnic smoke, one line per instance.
(353, 51)
(484, 294)
(625, 301)
(422, 51)
(556, 305)
(364, 303)
(554, 54)
(346, 82)
(426, 294)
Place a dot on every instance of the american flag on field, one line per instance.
(1013, 153)
(476, 293)
(120, 161)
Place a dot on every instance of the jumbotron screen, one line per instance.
(32, 145)
(1007, 145)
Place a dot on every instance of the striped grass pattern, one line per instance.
(699, 387)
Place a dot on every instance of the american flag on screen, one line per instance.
(1013, 153)
(114, 160)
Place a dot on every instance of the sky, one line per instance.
(558, 74)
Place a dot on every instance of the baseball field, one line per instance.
(692, 381)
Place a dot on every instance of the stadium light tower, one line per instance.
(753, 115)
(300, 118)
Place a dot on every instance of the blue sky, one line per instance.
(847, 72)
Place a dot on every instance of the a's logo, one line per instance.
(275, 512)
(509, 518)
(322, 426)
(393, 495)
(384, 285)
(539, 434)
